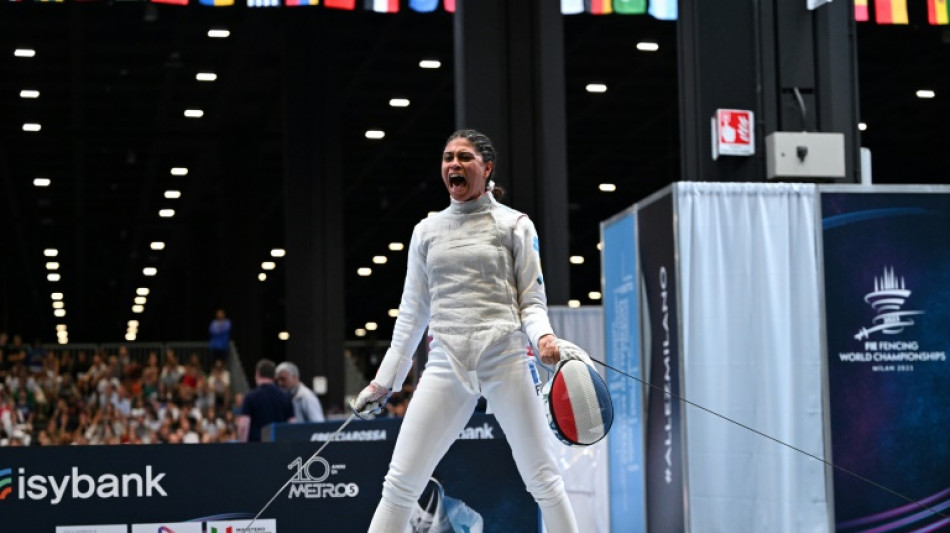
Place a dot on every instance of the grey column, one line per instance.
(313, 200)
(509, 83)
(753, 55)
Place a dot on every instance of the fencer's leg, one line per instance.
(439, 409)
(519, 410)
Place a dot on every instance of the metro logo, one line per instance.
(84, 486)
(6, 480)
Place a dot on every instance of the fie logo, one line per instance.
(6, 483)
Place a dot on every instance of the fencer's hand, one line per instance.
(370, 400)
(548, 351)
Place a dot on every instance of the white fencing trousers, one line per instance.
(437, 414)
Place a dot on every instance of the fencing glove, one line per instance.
(370, 400)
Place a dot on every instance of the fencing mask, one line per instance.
(577, 403)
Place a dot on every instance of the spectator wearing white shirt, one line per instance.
(307, 406)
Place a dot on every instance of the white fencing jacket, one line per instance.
(474, 277)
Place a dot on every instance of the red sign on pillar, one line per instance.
(733, 132)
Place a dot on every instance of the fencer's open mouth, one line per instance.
(456, 180)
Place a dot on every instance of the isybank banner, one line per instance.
(219, 488)
(887, 308)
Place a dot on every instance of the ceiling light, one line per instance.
(24, 52)
(139, 300)
(138, 308)
(596, 88)
(430, 63)
(399, 102)
(51, 252)
(56, 296)
(360, 332)
(594, 295)
(393, 313)
(268, 265)
(217, 33)
(577, 259)
(32, 126)
(206, 76)
(364, 271)
(862, 126)
(141, 291)
(375, 134)
(262, 277)
(283, 335)
(371, 326)
(149, 271)
(172, 195)
(379, 259)
(600, 246)
(179, 171)
(923, 93)
(59, 304)
(63, 340)
(607, 187)
(130, 336)
(29, 93)
(59, 313)
(166, 213)
(41, 182)
(60, 327)
(194, 113)
(133, 323)
(396, 246)
(62, 334)
(278, 252)
(52, 265)
(54, 277)
(647, 46)
(157, 245)
(574, 303)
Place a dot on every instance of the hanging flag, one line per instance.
(572, 7)
(449, 6)
(175, 2)
(261, 3)
(216, 3)
(813, 4)
(340, 4)
(423, 6)
(599, 7)
(630, 7)
(382, 6)
(861, 10)
(890, 11)
(937, 12)
(663, 9)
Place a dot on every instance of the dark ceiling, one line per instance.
(115, 79)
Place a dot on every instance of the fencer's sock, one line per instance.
(390, 518)
(558, 515)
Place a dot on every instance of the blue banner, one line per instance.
(887, 311)
(622, 322)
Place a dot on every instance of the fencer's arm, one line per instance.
(412, 319)
(532, 300)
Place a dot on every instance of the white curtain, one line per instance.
(751, 352)
(584, 468)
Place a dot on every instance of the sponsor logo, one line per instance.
(312, 480)
(484, 432)
(359, 436)
(80, 486)
(6, 483)
(887, 299)
(168, 527)
(111, 528)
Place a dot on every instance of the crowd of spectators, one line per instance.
(58, 397)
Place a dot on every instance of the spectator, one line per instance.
(264, 405)
(220, 384)
(220, 331)
(171, 376)
(307, 406)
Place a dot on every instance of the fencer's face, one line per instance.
(464, 172)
